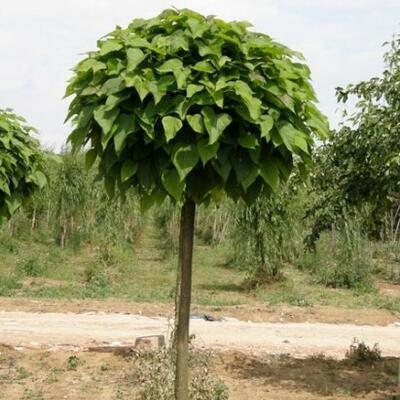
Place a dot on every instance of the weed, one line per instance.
(155, 375)
(359, 352)
(8, 284)
(22, 373)
(31, 266)
(73, 362)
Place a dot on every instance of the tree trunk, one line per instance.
(183, 300)
(33, 224)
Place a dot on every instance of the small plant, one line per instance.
(73, 362)
(22, 373)
(8, 284)
(155, 374)
(31, 266)
(104, 367)
(359, 352)
(342, 259)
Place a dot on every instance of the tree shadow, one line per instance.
(320, 375)
(224, 287)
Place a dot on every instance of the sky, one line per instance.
(41, 40)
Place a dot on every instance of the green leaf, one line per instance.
(193, 89)
(85, 115)
(90, 158)
(109, 46)
(171, 127)
(135, 57)
(301, 143)
(124, 125)
(90, 64)
(160, 88)
(203, 66)
(198, 28)
(243, 166)
(248, 141)
(252, 103)
(114, 66)
(138, 42)
(40, 178)
(196, 122)
(141, 86)
(129, 168)
(250, 178)
(173, 65)
(185, 158)
(114, 99)
(266, 125)
(105, 118)
(172, 184)
(288, 132)
(113, 85)
(207, 151)
(215, 123)
(270, 172)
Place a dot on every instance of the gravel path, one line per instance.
(52, 330)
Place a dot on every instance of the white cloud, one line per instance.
(41, 40)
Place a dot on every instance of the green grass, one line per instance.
(146, 272)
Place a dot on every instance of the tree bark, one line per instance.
(183, 300)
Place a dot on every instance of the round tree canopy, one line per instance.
(192, 106)
(20, 163)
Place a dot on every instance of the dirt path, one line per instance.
(42, 330)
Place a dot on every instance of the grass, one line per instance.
(146, 272)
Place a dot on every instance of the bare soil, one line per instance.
(45, 375)
(300, 339)
(250, 357)
(256, 312)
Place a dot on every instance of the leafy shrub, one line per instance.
(73, 362)
(97, 281)
(31, 266)
(359, 352)
(341, 259)
(8, 284)
(156, 373)
(7, 242)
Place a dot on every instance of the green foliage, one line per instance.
(341, 259)
(155, 375)
(20, 163)
(8, 284)
(183, 105)
(73, 362)
(268, 234)
(359, 166)
(31, 266)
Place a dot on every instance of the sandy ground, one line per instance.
(67, 330)
(256, 312)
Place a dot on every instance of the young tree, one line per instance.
(21, 163)
(360, 164)
(192, 107)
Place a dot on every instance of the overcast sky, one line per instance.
(41, 40)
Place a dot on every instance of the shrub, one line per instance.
(341, 259)
(156, 370)
(8, 284)
(31, 266)
(359, 352)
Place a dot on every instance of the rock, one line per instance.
(150, 342)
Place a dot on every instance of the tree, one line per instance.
(192, 107)
(21, 163)
(360, 164)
